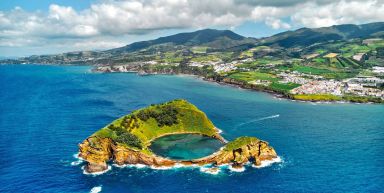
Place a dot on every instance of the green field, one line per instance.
(276, 86)
(317, 97)
(351, 49)
(310, 70)
(206, 58)
(326, 72)
(239, 142)
(250, 76)
(329, 97)
(199, 49)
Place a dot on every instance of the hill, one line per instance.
(217, 39)
(147, 124)
(307, 36)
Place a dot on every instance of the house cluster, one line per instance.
(320, 87)
(359, 89)
(378, 69)
(365, 86)
(218, 66)
(298, 78)
(294, 78)
(367, 81)
(361, 86)
(152, 62)
(225, 67)
(360, 56)
(205, 63)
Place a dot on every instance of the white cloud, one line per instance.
(110, 19)
(339, 12)
(277, 23)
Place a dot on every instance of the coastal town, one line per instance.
(363, 86)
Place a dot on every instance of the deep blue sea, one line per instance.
(46, 111)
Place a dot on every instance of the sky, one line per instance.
(29, 27)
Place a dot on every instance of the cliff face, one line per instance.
(249, 150)
(97, 152)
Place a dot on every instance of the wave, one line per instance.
(76, 163)
(96, 189)
(76, 155)
(258, 119)
(241, 169)
(213, 171)
(162, 167)
(267, 163)
(138, 166)
(96, 173)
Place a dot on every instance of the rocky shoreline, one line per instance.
(127, 140)
(99, 151)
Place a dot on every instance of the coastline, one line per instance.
(237, 84)
(278, 95)
(228, 82)
(222, 80)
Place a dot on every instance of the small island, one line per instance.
(127, 140)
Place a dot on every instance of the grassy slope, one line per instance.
(254, 75)
(190, 120)
(239, 142)
(249, 76)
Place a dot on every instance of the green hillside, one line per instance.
(140, 127)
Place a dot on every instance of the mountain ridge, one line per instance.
(195, 38)
(209, 41)
(308, 36)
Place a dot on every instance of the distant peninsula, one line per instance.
(127, 140)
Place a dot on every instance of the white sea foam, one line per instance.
(162, 167)
(96, 189)
(76, 156)
(96, 173)
(206, 168)
(119, 166)
(267, 163)
(210, 170)
(138, 166)
(241, 169)
(76, 163)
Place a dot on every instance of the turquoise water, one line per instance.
(46, 111)
(185, 146)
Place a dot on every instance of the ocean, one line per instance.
(46, 111)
